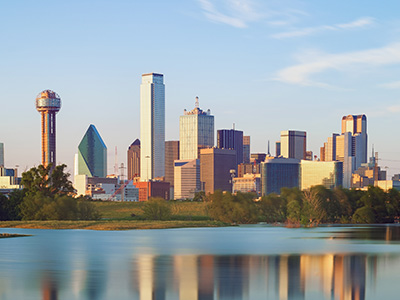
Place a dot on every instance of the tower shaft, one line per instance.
(48, 138)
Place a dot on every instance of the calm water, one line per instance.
(247, 262)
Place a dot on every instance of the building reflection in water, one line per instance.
(284, 277)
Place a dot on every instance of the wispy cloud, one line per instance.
(236, 13)
(391, 85)
(345, 62)
(359, 23)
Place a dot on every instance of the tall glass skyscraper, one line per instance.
(231, 139)
(152, 126)
(92, 155)
(196, 131)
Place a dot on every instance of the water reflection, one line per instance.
(138, 265)
(206, 277)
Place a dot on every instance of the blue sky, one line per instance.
(264, 65)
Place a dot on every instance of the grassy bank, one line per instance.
(128, 215)
(109, 224)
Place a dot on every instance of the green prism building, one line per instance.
(92, 155)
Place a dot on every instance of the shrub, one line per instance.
(156, 209)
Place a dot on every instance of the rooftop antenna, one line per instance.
(196, 104)
(269, 154)
(233, 126)
(116, 162)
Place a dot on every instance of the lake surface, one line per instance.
(246, 262)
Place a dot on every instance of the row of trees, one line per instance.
(311, 207)
(47, 195)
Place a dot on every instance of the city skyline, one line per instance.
(266, 67)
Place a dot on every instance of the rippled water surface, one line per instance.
(246, 262)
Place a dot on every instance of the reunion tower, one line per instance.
(48, 103)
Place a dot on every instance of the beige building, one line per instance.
(187, 178)
(293, 144)
(133, 158)
(248, 183)
(171, 154)
(215, 169)
(326, 173)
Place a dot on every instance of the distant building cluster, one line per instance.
(180, 169)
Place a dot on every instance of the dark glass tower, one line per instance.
(92, 154)
(231, 139)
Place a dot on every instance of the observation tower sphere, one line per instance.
(48, 103)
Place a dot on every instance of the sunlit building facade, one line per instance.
(326, 173)
(171, 154)
(196, 131)
(248, 183)
(187, 178)
(133, 159)
(152, 126)
(246, 149)
(293, 144)
(92, 155)
(1, 154)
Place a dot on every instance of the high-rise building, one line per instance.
(187, 178)
(215, 169)
(326, 173)
(152, 126)
(231, 139)
(171, 154)
(246, 149)
(293, 144)
(1, 154)
(92, 154)
(48, 103)
(357, 126)
(133, 158)
(257, 158)
(277, 173)
(277, 148)
(196, 131)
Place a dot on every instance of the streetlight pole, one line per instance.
(233, 172)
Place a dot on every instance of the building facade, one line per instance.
(215, 169)
(133, 159)
(231, 139)
(196, 131)
(277, 173)
(1, 154)
(48, 104)
(171, 154)
(248, 183)
(152, 126)
(187, 178)
(92, 155)
(293, 144)
(326, 173)
(246, 149)
(152, 189)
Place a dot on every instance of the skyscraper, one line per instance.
(48, 103)
(196, 131)
(187, 178)
(231, 139)
(357, 126)
(246, 149)
(92, 154)
(133, 158)
(152, 126)
(1, 154)
(171, 154)
(293, 144)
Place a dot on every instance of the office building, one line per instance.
(171, 154)
(231, 139)
(215, 169)
(279, 172)
(257, 158)
(248, 183)
(253, 168)
(48, 104)
(92, 155)
(357, 126)
(196, 131)
(133, 159)
(152, 189)
(187, 178)
(368, 174)
(277, 148)
(152, 126)
(293, 144)
(246, 149)
(1, 154)
(326, 173)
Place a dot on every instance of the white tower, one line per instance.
(152, 126)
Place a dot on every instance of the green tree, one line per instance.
(273, 208)
(157, 209)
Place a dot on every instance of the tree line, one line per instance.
(47, 195)
(310, 207)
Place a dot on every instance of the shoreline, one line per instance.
(109, 224)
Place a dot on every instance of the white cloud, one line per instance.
(363, 22)
(301, 73)
(391, 85)
(238, 12)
